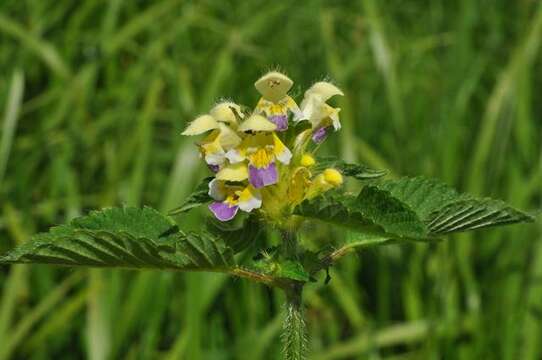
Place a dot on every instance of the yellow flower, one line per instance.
(261, 150)
(217, 143)
(230, 198)
(221, 122)
(248, 155)
(315, 109)
(275, 102)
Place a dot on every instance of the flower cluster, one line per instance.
(254, 168)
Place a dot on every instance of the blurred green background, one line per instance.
(94, 95)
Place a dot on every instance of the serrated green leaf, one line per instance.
(411, 208)
(444, 211)
(360, 172)
(238, 234)
(336, 208)
(421, 194)
(373, 210)
(200, 196)
(391, 214)
(125, 237)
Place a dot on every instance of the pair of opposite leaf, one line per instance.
(260, 162)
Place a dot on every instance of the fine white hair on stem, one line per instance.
(294, 336)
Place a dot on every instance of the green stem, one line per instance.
(289, 246)
(294, 329)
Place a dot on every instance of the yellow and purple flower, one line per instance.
(275, 102)
(254, 169)
(322, 116)
(261, 148)
(230, 198)
(221, 124)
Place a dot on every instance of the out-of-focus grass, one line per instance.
(94, 95)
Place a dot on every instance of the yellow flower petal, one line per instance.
(334, 116)
(301, 141)
(292, 106)
(273, 86)
(325, 90)
(236, 155)
(223, 112)
(319, 113)
(200, 125)
(228, 138)
(257, 123)
(281, 152)
(261, 158)
(249, 199)
(317, 187)
(212, 150)
(233, 172)
(299, 184)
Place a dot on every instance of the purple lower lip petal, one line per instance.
(260, 177)
(213, 168)
(223, 211)
(280, 120)
(320, 135)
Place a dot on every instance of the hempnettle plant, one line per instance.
(267, 177)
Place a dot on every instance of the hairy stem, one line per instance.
(289, 246)
(294, 332)
(294, 336)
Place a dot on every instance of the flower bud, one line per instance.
(333, 177)
(307, 160)
(327, 180)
